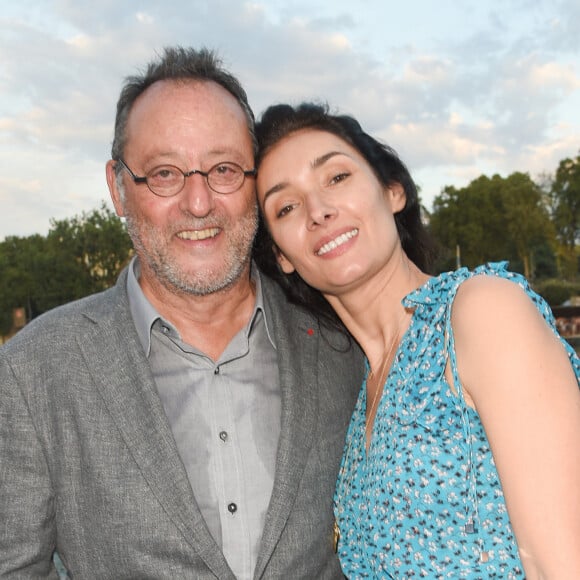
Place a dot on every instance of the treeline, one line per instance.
(535, 226)
(79, 256)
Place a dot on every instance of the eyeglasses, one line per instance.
(168, 180)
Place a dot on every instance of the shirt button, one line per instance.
(165, 329)
(216, 371)
(232, 508)
(224, 436)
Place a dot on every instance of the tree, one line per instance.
(564, 195)
(20, 260)
(527, 221)
(492, 219)
(96, 242)
(565, 202)
(470, 219)
(79, 256)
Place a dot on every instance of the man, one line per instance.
(187, 423)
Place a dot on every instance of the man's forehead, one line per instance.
(187, 93)
(188, 124)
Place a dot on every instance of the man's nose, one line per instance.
(196, 197)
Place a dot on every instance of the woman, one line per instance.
(463, 454)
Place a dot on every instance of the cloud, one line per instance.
(457, 89)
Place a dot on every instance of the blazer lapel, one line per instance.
(297, 346)
(121, 372)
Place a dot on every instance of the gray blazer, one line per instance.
(89, 466)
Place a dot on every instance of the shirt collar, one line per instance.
(259, 306)
(145, 315)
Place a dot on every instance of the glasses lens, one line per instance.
(165, 180)
(225, 177)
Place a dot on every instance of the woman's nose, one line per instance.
(319, 212)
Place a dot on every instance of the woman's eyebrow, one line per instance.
(315, 164)
(278, 187)
(324, 158)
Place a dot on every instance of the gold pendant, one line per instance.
(335, 536)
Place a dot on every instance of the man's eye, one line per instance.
(164, 174)
(225, 170)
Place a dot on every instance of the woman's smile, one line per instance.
(336, 242)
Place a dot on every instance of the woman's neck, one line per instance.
(373, 312)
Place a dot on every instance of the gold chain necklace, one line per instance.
(368, 425)
(379, 390)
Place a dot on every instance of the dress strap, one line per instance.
(471, 507)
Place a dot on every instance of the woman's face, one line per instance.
(330, 217)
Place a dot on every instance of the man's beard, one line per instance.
(153, 251)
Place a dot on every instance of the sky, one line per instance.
(459, 88)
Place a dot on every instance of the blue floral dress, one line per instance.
(427, 502)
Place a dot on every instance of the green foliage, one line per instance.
(556, 291)
(527, 220)
(568, 261)
(493, 219)
(545, 262)
(20, 261)
(565, 202)
(97, 242)
(79, 256)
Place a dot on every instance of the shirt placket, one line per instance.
(228, 474)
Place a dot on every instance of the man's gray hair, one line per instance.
(179, 64)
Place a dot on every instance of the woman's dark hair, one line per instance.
(279, 121)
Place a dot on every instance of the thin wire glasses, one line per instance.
(168, 180)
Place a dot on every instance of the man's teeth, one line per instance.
(337, 242)
(198, 234)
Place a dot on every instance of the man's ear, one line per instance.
(283, 261)
(397, 197)
(113, 188)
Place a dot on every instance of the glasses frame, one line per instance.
(206, 174)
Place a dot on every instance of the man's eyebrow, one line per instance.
(315, 164)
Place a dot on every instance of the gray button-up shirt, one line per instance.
(225, 417)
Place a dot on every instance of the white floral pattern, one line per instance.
(427, 502)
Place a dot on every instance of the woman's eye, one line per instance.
(339, 177)
(284, 210)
